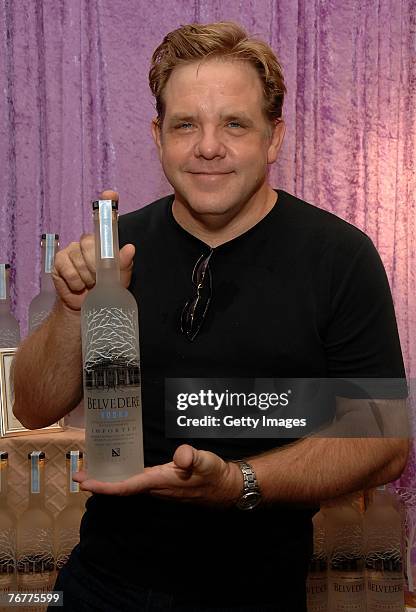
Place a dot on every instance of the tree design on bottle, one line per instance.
(112, 353)
(347, 554)
(408, 497)
(36, 553)
(68, 538)
(7, 558)
(9, 338)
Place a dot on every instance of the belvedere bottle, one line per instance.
(35, 561)
(316, 583)
(42, 304)
(111, 361)
(346, 584)
(9, 327)
(7, 533)
(68, 520)
(383, 554)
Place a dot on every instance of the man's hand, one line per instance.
(196, 476)
(74, 269)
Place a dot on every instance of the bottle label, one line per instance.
(49, 252)
(3, 282)
(34, 472)
(346, 592)
(385, 591)
(73, 467)
(317, 592)
(106, 229)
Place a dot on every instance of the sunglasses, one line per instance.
(195, 309)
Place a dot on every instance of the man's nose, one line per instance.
(209, 144)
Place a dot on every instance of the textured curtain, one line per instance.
(75, 114)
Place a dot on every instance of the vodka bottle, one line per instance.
(346, 584)
(35, 561)
(7, 533)
(42, 304)
(68, 520)
(383, 554)
(316, 584)
(111, 361)
(9, 327)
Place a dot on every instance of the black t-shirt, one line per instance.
(301, 294)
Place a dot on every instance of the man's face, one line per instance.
(215, 143)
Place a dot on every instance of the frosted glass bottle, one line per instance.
(317, 581)
(68, 520)
(7, 533)
(9, 327)
(346, 584)
(42, 304)
(111, 361)
(383, 554)
(35, 528)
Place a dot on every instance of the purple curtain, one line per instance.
(75, 114)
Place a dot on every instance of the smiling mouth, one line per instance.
(210, 173)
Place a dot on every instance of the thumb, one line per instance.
(189, 458)
(126, 263)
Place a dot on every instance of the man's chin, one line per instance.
(201, 203)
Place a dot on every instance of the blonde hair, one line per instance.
(223, 40)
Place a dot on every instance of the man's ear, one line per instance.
(278, 134)
(157, 136)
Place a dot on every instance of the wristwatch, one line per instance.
(250, 495)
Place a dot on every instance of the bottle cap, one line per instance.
(80, 454)
(96, 204)
(40, 454)
(43, 237)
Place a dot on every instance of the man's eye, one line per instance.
(234, 124)
(185, 125)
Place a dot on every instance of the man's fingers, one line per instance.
(126, 263)
(126, 257)
(82, 268)
(109, 194)
(184, 456)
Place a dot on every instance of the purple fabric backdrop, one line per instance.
(75, 114)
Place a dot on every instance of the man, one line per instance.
(287, 290)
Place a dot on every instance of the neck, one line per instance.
(46, 283)
(215, 230)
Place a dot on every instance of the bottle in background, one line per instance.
(68, 520)
(9, 327)
(346, 584)
(383, 553)
(7, 533)
(35, 527)
(42, 304)
(316, 583)
(111, 358)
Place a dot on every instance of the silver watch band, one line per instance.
(250, 495)
(249, 477)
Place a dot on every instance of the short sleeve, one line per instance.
(362, 339)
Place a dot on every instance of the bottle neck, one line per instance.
(74, 463)
(49, 247)
(4, 468)
(106, 246)
(36, 482)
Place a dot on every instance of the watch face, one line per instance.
(249, 500)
